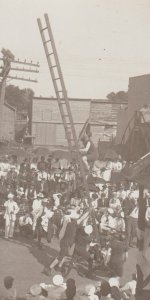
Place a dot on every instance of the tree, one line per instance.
(119, 96)
(19, 98)
(111, 96)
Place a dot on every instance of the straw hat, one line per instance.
(74, 215)
(88, 229)
(35, 290)
(10, 196)
(58, 280)
(40, 196)
(90, 289)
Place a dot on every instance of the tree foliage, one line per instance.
(119, 96)
(19, 98)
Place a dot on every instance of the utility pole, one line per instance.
(8, 61)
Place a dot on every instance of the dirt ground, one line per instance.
(24, 261)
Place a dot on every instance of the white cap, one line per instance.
(35, 290)
(45, 200)
(40, 195)
(90, 289)
(10, 196)
(114, 281)
(88, 229)
(12, 167)
(58, 280)
(122, 214)
(74, 215)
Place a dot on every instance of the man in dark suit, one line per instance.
(103, 201)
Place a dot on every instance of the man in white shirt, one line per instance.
(132, 224)
(11, 209)
(37, 209)
(107, 221)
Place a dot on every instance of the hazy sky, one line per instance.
(100, 43)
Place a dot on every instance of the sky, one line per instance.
(100, 43)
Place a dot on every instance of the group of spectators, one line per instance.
(45, 198)
(68, 290)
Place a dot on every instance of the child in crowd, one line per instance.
(10, 292)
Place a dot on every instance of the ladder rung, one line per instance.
(55, 66)
(57, 78)
(47, 41)
(43, 28)
(49, 54)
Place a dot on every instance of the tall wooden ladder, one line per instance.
(63, 102)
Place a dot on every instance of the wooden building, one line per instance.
(47, 127)
(103, 119)
(46, 124)
(8, 123)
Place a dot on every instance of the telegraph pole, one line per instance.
(8, 61)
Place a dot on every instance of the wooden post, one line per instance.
(2, 101)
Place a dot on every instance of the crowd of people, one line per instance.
(68, 290)
(45, 198)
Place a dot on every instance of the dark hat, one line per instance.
(8, 280)
(105, 288)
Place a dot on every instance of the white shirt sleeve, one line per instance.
(86, 148)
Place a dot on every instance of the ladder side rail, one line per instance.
(62, 79)
(65, 98)
(54, 83)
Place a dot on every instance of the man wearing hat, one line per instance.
(37, 209)
(107, 221)
(67, 239)
(11, 209)
(82, 246)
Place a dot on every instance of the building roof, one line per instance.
(52, 99)
(140, 76)
(83, 99)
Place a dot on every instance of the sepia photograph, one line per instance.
(74, 150)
